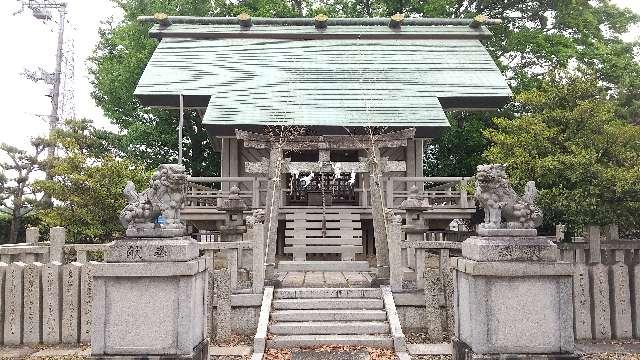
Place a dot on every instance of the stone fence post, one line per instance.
(57, 238)
(32, 235)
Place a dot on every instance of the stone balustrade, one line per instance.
(606, 284)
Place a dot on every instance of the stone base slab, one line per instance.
(505, 248)
(156, 232)
(462, 351)
(514, 307)
(200, 352)
(512, 268)
(131, 250)
(507, 232)
(149, 310)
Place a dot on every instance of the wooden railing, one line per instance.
(205, 192)
(442, 192)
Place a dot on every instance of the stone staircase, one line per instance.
(323, 232)
(303, 317)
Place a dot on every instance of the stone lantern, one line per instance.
(234, 225)
(415, 206)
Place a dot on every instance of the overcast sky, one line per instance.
(30, 43)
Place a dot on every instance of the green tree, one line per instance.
(88, 177)
(16, 193)
(584, 159)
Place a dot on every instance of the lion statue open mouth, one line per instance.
(503, 208)
(164, 197)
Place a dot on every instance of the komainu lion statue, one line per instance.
(164, 197)
(500, 201)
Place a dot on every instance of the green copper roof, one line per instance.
(327, 82)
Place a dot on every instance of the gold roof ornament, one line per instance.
(162, 19)
(395, 22)
(320, 21)
(245, 20)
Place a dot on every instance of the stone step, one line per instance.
(323, 293)
(319, 304)
(322, 249)
(293, 341)
(328, 315)
(340, 266)
(329, 327)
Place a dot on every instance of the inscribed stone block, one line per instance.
(32, 333)
(86, 300)
(3, 267)
(51, 303)
(70, 302)
(636, 295)
(222, 280)
(620, 301)
(13, 304)
(433, 311)
(600, 294)
(582, 302)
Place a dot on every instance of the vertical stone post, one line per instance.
(434, 299)
(51, 303)
(32, 332)
(32, 235)
(620, 300)
(377, 214)
(255, 234)
(394, 236)
(272, 208)
(71, 302)
(599, 288)
(581, 298)
(3, 270)
(222, 280)
(13, 296)
(636, 296)
(86, 301)
(57, 238)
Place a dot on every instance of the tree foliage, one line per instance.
(584, 159)
(87, 182)
(16, 195)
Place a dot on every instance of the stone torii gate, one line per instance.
(374, 165)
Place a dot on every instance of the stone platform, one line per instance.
(319, 279)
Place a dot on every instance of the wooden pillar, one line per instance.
(419, 157)
(234, 164)
(224, 162)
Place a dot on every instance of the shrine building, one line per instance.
(306, 113)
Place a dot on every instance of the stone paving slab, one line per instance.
(240, 350)
(324, 279)
(430, 349)
(329, 355)
(20, 352)
(597, 348)
(61, 352)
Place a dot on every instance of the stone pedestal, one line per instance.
(150, 301)
(513, 298)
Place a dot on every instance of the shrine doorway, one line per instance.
(318, 189)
